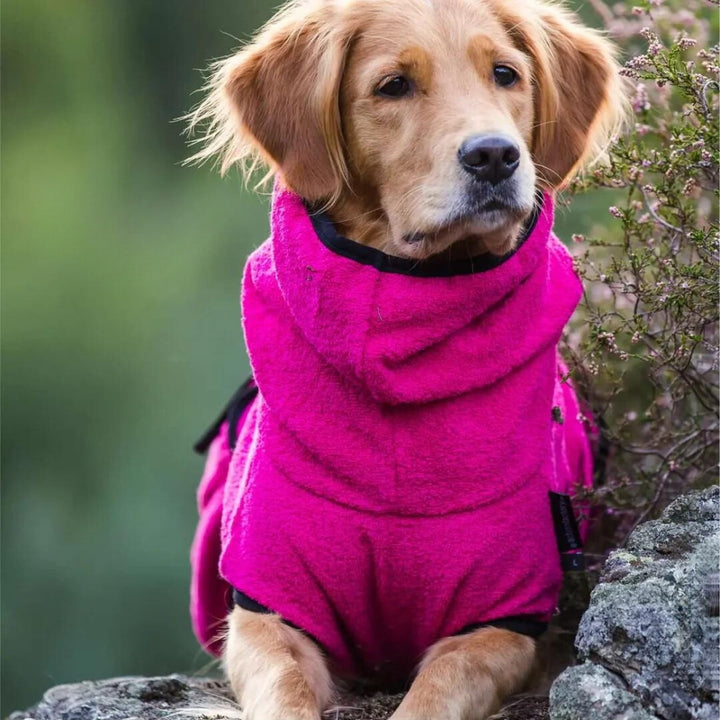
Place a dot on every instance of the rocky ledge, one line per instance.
(178, 696)
(648, 645)
(649, 639)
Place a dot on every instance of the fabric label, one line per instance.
(566, 527)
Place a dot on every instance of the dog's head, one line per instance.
(420, 124)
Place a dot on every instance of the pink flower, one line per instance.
(640, 100)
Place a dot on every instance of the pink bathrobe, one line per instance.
(391, 479)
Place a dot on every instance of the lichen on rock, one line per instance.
(649, 638)
(189, 698)
(594, 693)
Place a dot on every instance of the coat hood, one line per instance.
(407, 331)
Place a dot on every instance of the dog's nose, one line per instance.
(489, 157)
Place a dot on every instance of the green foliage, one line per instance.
(121, 331)
(645, 343)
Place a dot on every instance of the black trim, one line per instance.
(516, 623)
(247, 603)
(432, 267)
(520, 624)
(232, 412)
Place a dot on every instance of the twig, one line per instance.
(662, 222)
(707, 85)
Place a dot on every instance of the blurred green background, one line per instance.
(120, 329)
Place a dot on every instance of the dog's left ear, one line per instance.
(277, 101)
(579, 98)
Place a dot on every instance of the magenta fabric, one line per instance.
(390, 482)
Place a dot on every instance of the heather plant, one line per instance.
(644, 346)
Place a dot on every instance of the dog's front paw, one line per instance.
(279, 696)
(275, 671)
(277, 709)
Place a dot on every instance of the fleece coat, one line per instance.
(390, 481)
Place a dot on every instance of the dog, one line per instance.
(388, 496)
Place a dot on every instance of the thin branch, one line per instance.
(707, 86)
(662, 222)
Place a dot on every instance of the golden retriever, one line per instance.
(388, 112)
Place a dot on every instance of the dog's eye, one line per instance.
(395, 86)
(504, 75)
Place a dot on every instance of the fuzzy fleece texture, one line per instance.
(389, 485)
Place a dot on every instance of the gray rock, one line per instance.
(149, 698)
(593, 693)
(177, 697)
(649, 639)
(174, 697)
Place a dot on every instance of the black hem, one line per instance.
(520, 624)
(247, 603)
(432, 267)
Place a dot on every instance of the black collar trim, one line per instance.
(432, 267)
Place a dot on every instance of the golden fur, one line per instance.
(299, 98)
(302, 99)
(469, 676)
(275, 671)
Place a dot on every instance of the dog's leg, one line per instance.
(468, 677)
(275, 671)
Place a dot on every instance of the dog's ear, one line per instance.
(579, 98)
(277, 100)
